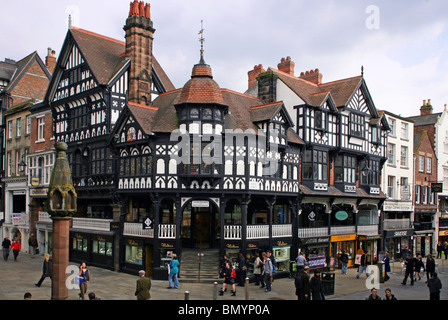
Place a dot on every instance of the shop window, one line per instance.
(313, 215)
(345, 169)
(232, 214)
(134, 254)
(315, 165)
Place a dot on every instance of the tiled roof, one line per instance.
(314, 95)
(201, 88)
(265, 112)
(106, 56)
(144, 115)
(423, 120)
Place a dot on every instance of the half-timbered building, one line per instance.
(93, 81)
(345, 148)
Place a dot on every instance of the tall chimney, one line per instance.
(253, 74)
(50, 60)
(313, 76)
(426, 108)
(286, 65)
(139, 38)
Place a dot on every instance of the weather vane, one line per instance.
(202, 39)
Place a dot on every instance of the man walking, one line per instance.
(410, 264)
(363, 266)
(143, 286)
(302, 284)
(434, 285)
(301, 262)
(6, 244)
(267, 272)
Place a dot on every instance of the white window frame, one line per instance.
(421, 163)
(28, 125)
(404, 156)
(10, 129)
(404, 131)
(428, 164)
(392, 125)
(40, 129)
(391, 153)
(18, 127)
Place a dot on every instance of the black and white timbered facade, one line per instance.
(290, 165)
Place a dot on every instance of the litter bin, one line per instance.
(381, 270)
(328, 279)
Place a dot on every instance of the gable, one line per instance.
(361, 101)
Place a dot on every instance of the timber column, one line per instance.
(61, 205)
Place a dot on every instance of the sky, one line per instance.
(402, 45)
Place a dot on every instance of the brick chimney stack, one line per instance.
(426, 108)
(253, 74)
(50, 60)
(139, 39)
(313, 76)
(286, 65)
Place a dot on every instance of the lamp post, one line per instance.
(61, 205)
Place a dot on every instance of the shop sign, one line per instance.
(147, 224)
(132, 242)
(399, 233)
(281, 243)
(308, 241)
(17, 219)
(397, 207)
(344, 237)
(436, 187)
(252, 245)
(200, 204)
(232, 246)
(341, 215)
(166, 245)
(317, 262)
(42, 192)
(443, 233)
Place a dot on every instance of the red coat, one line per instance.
(16, 245)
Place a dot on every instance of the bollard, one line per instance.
(246, 288)
(187, 295)
(215, 290)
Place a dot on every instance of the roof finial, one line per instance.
(69, 21)
(202, 40)
(362, 71)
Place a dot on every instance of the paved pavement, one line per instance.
(18, 277)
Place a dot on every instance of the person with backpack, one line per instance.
(174, 273)
(344, 262)
(434, 285)
(267, 272)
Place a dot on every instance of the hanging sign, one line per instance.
(341, 215)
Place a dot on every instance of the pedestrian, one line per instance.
(386, 261)
(439, 250)
(242, 270)
(317, 292)
(143, 286)
(267, 272)
(363, 265)
(430, 267)
(84, 277)
(302, 284)
(6, 244)
(27, 296)
(344, 262)
(405, 252)
(92, 296)
(223, 266)
(46, 269)
(301, 262)
(229, 278)
(418, 265)
(434, 285)
(445, 250)
(389, 295)
(15, 247)
(274, 264)
(174, 273)
(258, 268)
(32, 243)
(373, 295)
(409, 263)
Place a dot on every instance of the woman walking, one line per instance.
(15, 247)
(84, 276)
(174, 272)
(229, 278)
(417, 267)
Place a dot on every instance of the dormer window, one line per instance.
(218, 114)
(320, 122)
(357, 125)
(376, 135)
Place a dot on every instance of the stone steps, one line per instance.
(199, 269)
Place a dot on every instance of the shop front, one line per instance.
(396, 241)
(340, 243)
(370, 245)
(316, 250)
(92, 248)
(423, 244)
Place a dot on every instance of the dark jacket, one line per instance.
(364, 260)
(302, 284)
(372, 298)
(430, 265)
(6, 243)
(317, 292)
(392, 297)
(434, 285)
(418, 264)
(143, 287)
(344, 257)
(47, 268)
(410, 264)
